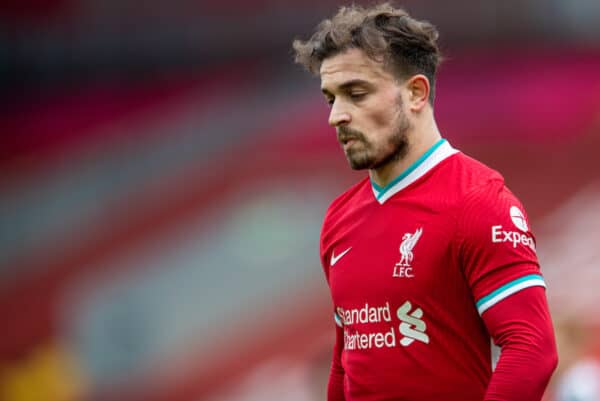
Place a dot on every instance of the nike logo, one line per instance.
(334, 259)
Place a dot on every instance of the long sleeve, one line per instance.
(522, 327)
(335, 387)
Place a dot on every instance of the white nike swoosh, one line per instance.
(334, 259)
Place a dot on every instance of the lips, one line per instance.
(348, 140)
(348, 144)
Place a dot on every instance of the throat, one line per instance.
(383, 172)
(394, 172)
(390, 168)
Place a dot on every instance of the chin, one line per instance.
(359, 164)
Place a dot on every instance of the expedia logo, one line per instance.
(501, 235)
(518, 219)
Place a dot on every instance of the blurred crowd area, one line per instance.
(165, 167)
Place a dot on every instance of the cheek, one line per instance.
(384, 121)
(380, 119)
(386, 113)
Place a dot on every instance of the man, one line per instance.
(432, 267)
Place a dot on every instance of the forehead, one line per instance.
(350, 65)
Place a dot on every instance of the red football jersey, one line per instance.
(413, 266)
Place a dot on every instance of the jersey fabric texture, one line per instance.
(413, 268)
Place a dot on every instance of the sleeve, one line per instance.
(498, 258)
(496, 247)
(522, 327)
(335, 386)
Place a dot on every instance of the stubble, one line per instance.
(365, 155)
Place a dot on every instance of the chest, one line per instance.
(394, 252)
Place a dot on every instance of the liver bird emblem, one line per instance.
(408, 243)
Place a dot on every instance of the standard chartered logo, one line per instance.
(412, 327)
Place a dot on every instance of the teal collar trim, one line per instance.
(438, 152)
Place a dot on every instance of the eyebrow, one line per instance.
(349, 84)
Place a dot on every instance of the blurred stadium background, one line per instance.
(164, 169)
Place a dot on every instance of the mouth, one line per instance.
(348, 141)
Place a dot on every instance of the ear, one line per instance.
(418, 92)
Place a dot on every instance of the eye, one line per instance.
(358, 95)
(330, 101)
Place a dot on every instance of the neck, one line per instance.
(421, 140)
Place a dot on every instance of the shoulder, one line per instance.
(481, 199)
(349, 200)
(489, 213)
(345, 209)
(484, 194)
(460, 181)
(471, 176)
(493, 240)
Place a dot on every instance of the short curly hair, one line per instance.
(384, 32)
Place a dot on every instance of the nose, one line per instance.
(338, 115)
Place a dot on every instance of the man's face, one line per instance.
(366, 109)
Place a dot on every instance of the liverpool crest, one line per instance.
(404, 267)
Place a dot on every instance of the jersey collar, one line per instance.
(438, 152)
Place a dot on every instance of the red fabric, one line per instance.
(411, 326)
(522, 327)
(493, 251)
(335, 387)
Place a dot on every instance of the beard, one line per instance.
(364, 154)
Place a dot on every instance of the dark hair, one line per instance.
(383, 32)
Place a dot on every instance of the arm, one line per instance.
(522, 327)
(497, 252)
(335, 388)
